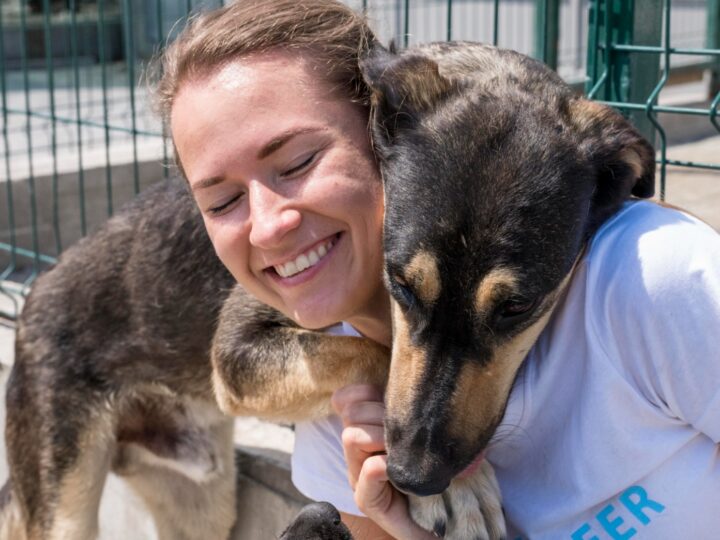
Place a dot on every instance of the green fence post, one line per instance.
(547, 18)
(610, 72)
(644, 69)
(713, 42)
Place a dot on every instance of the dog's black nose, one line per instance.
(411, 483)
(317, 521)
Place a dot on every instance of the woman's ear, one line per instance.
(624, 161)
(403, 87)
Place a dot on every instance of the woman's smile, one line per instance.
(306, 265)
(283, 172)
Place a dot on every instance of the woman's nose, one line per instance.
(271, 216)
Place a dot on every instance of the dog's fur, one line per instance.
(317, 521)
(495, 177)
(113, 373)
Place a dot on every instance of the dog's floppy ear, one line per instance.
(403, 86)
(624, 160)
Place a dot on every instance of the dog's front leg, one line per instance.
(470, 509)
(265, 365)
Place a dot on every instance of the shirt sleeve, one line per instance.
(656, 309)
(319, 470)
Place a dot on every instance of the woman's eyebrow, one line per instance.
(278, 142)
(273, 146)
(206, 183)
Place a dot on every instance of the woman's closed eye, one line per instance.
(219, 209)
(298, 168)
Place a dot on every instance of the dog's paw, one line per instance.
(431, 513)
(470, 509)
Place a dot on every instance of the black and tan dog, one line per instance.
(113, 373)
(496, 175)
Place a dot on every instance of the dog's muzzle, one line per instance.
(410, 483)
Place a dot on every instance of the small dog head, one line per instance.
(495, 176)
(317, 521)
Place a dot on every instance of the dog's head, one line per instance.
(495, 176)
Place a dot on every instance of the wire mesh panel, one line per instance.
(631, 59)
(79, 137)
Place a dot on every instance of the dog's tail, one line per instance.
(11, 521)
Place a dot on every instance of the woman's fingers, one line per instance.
(360, 443)
(361, 409)
(373, 493)
(382, 503)
(355, 393)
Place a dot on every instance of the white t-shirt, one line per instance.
(613, 425)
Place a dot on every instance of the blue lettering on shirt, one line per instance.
(641, 501)
(612, 526)
(636, 500)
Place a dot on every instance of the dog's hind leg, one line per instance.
(58, 473)
(12, 525)
(178, 456)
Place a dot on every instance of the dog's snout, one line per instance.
(409, 482)
(322, 511)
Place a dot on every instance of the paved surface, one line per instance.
(696, 190)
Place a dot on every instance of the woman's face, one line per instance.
(283, 173)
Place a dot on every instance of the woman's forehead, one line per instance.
(275, 67)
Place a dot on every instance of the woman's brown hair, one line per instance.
(329, 33)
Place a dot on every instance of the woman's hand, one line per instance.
(362, 411)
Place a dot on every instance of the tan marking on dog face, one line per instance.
(406, 369)
(585, 113)
(482, 390)
(497, 282)
(424, 275)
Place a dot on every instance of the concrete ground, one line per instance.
(696, 190)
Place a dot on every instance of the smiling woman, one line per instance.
(282, 171)
(269, 114)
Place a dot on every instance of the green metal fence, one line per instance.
(79, 139)
(629, 64)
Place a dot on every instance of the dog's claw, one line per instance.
(470, 508)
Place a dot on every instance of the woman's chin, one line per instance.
(313, 321)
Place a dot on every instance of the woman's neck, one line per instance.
(375, 323)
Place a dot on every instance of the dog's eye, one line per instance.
(514, 311)
(402, 293)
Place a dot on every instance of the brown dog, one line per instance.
(113, 373)
(496, 175)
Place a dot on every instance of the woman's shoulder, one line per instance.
(649, 245)
(648, 222)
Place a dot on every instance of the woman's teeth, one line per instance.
(304, 261)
